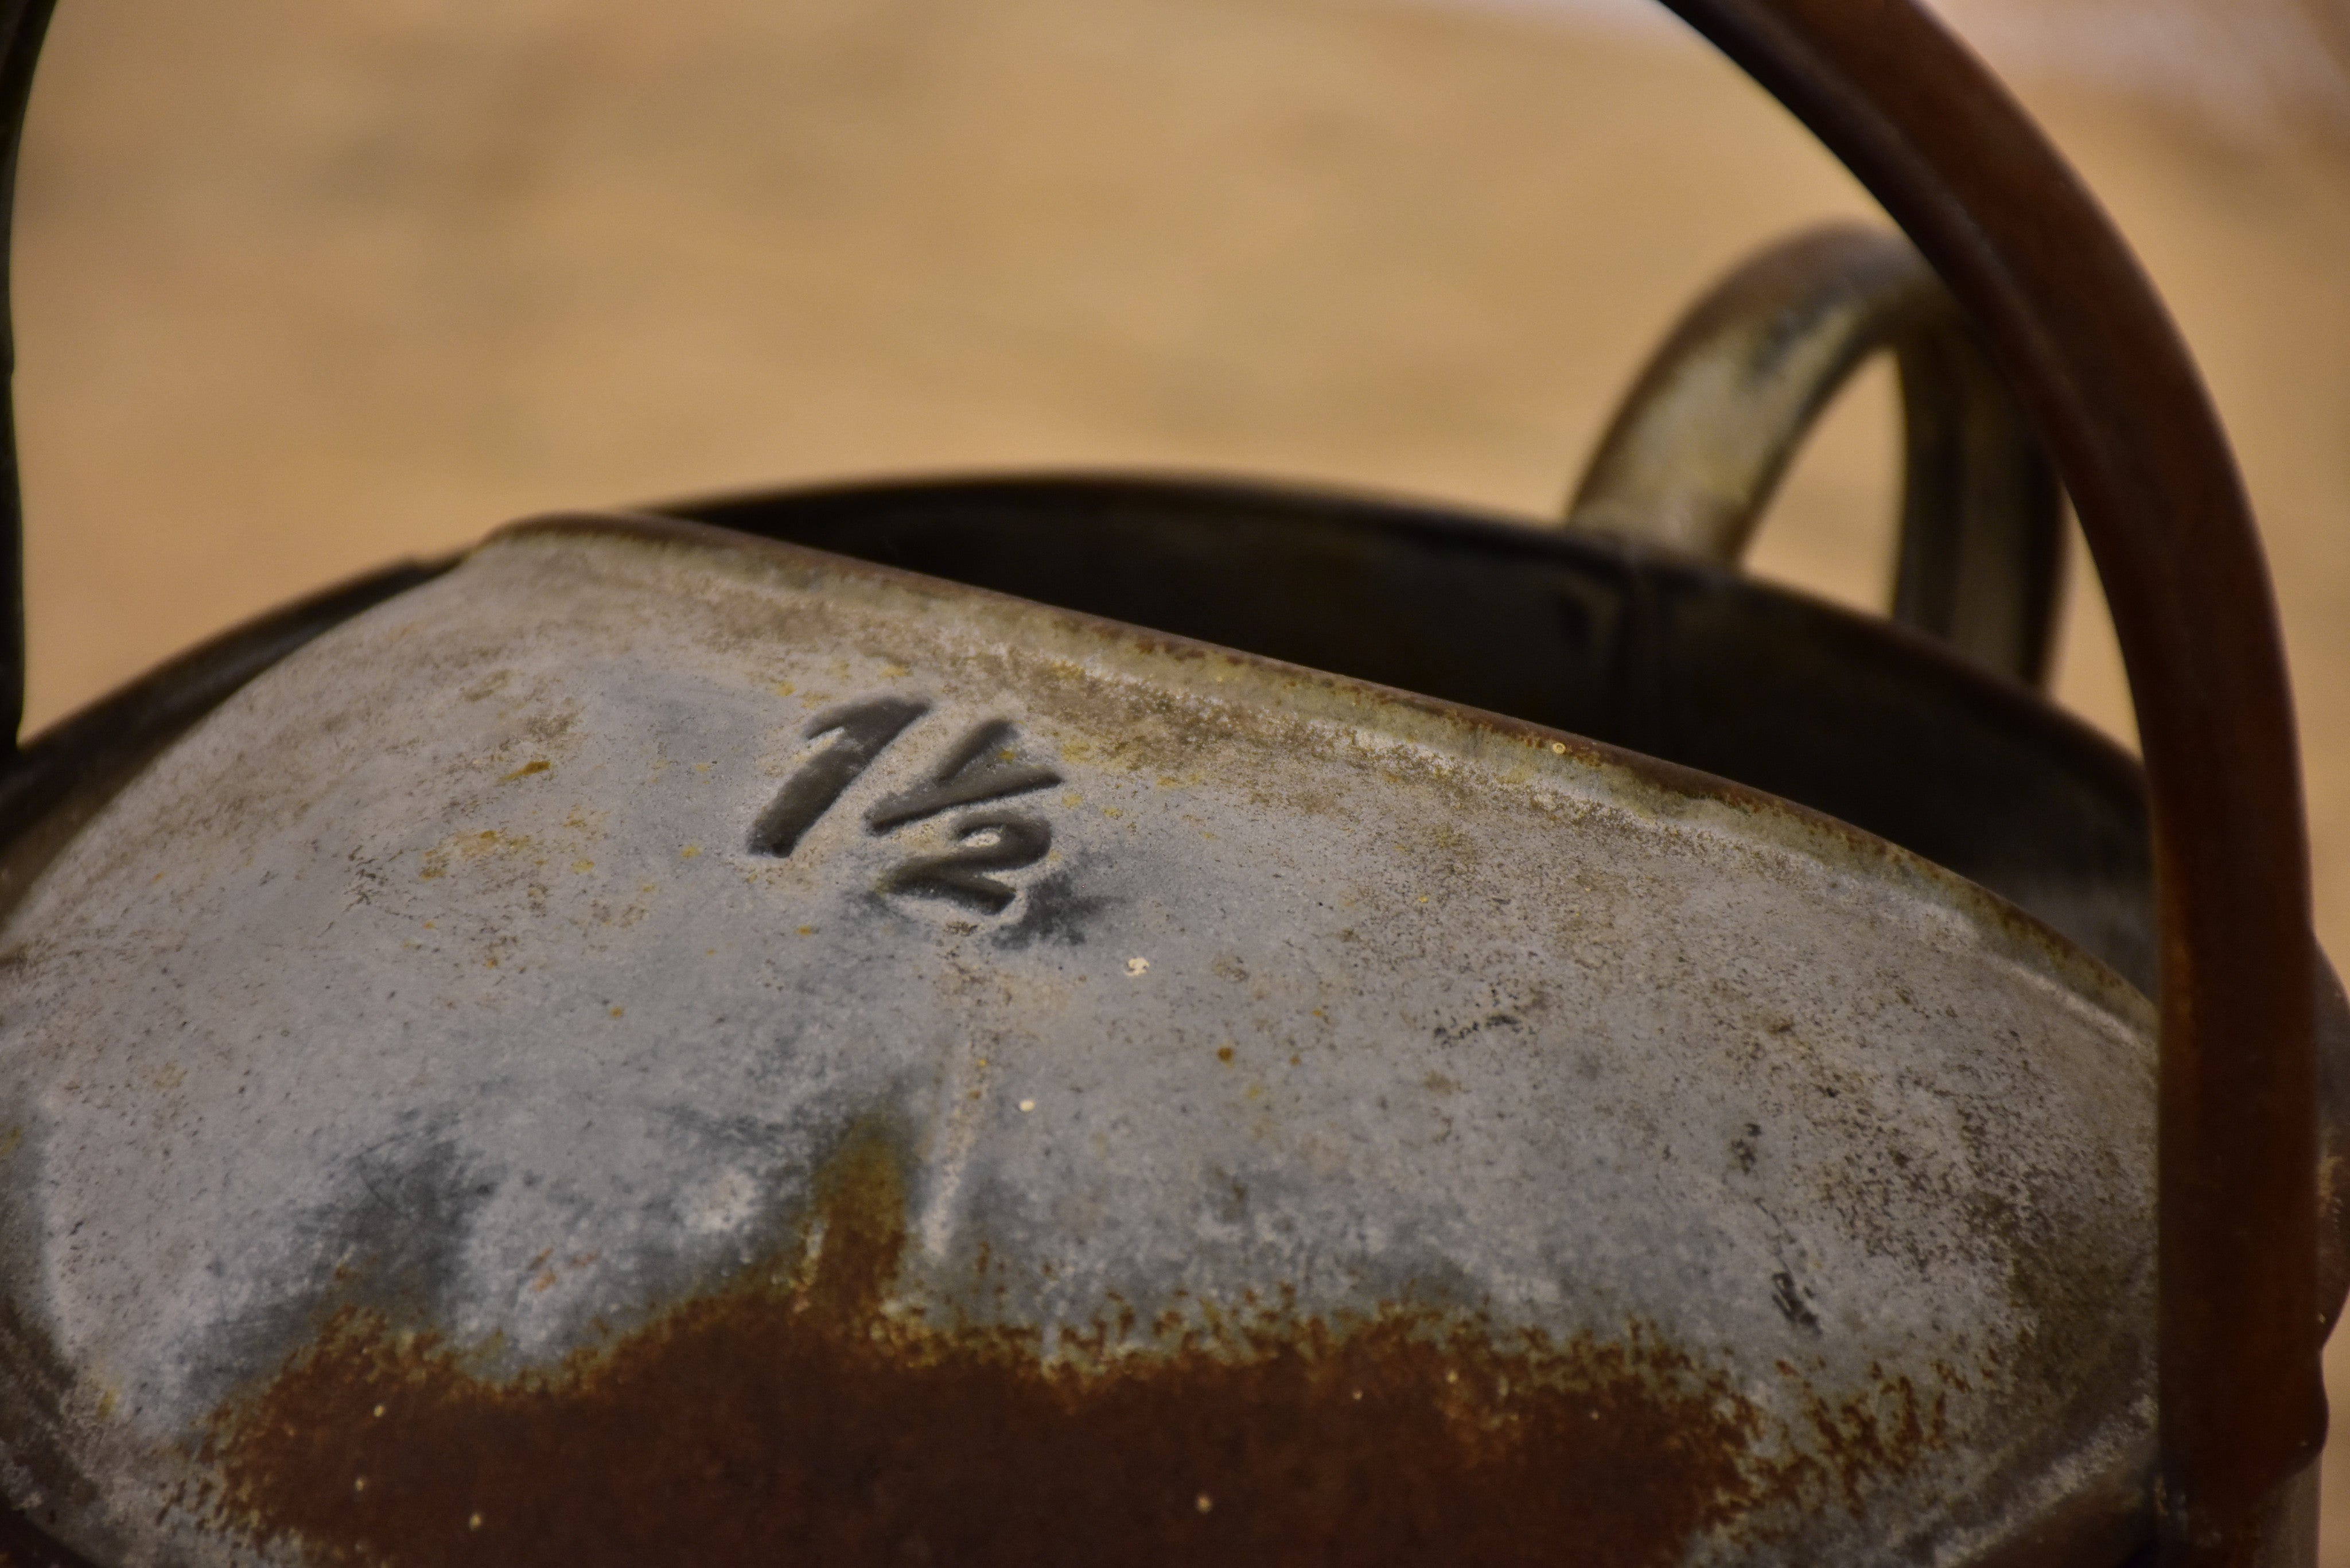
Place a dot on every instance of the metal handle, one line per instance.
(1698, 449)
(23, 23)
(2097, 366)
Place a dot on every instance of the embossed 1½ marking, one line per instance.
(984, 765)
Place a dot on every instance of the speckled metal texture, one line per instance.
(658, 1046)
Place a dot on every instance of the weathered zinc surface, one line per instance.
(652, 1049)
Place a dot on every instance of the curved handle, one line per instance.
(22, 23)
(2098, 365)
(2099, 368)
(1701, 441)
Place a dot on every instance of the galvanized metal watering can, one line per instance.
(1090, 1020)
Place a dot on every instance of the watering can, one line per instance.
(1062, 1020)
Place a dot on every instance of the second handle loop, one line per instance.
(1708, 431)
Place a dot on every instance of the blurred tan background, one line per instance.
(303, 288)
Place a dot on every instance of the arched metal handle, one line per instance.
(1698, 449)
(2097, 365)
(23, 23)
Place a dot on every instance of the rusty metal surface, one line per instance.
(2097, 365)
(1697, 448)
(1317, 1121)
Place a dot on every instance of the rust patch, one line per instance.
(1884, 1430)
(794, 1417)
